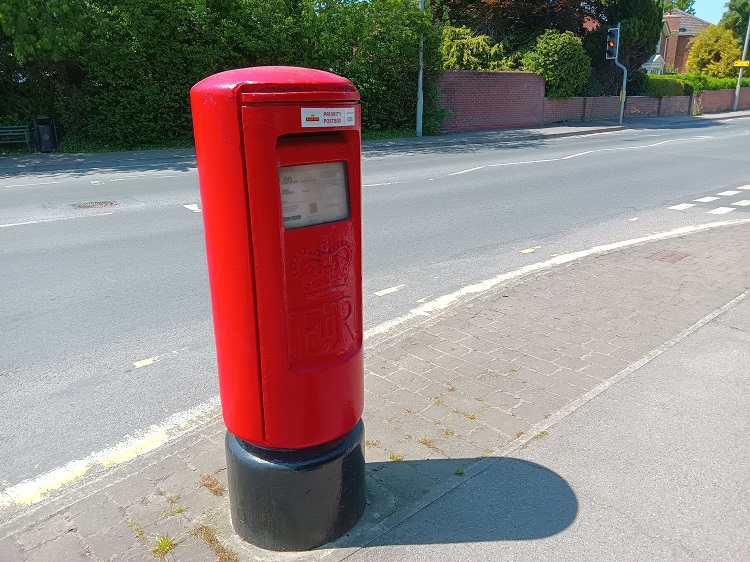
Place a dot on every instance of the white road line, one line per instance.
(744, 187)
(576, 155)
(389, 290)
(529, 250)
(706, 199)
(33, 491)
(192, 207)
(728, 193)
(53, 220)
(467, 171)
(31, 184)
(720, 210)
(682, 206)
(743, 203)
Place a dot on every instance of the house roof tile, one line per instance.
(688, 23)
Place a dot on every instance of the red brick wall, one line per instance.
(641, 106)
(602, 108)
(564, 110)
(581, 109)
(675, 105)
(715, 101)
(650, 107)
(491, 100)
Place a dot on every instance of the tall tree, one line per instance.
(735, 18)
(43, 29)
(684, 5)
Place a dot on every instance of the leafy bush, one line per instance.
(563, 62)
(660, 86)
(461, 50)
(713, 53)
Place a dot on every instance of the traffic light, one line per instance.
(613, 42)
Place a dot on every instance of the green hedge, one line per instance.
(660, 86)
(699, 82)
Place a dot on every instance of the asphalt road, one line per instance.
(106, 318)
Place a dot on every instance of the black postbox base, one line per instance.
(296, 499)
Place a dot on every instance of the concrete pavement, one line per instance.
(591, 408)
(181, 159)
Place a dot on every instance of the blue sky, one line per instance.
(710, 10)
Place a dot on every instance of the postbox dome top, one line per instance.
(280, 80)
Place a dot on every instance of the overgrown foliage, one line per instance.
(461, 50)
(515, 24)
(118, 72)
(562, 60)
(735, 18)
(713, 52)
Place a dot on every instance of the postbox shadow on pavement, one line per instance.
(503, 499)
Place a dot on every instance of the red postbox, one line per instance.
(278, 152)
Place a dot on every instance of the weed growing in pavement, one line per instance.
(137, 529)
(208, 535)
(371, 442)
(426, 442)
(449, 431)
(176, 511)
(470, 416)
(164, 543)
(458, 472)
(173, 499)
(519, 434)
(541, 435)
(396, 457)
(437, 401)
(212, 483)
(452, 388)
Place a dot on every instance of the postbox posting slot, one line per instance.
(314, 194)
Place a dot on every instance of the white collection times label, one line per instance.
(328, 117)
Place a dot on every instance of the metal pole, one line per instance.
(623, 92)
(744, 57)
(420, 93)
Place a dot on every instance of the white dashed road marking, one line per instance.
(743, 203)
(682, 206)
(720, 210)
(706, 199)
(193, 207)
(388, 290)
(728, 193)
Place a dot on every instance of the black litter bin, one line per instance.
(45, 129)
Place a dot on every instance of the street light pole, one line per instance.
(744, 57)
(420, 93)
